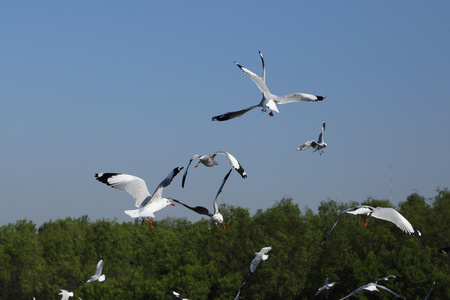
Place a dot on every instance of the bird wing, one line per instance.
(297, 97)
(158, 192)
(233, 162)
(198, 209)
(259, 81)
(320, 139)
(135, 186)
(355, 291)
(233, 114)
(98, 270)
(335, 222)
(385, 288)
(187, 168)
(391, 215)
(216, 206)
(307, 145)
(385, 278)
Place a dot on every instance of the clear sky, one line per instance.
(130, 87)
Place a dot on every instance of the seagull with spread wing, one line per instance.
(317, 145)
(65, 294)
(216, 217)
(383, 213)
(269, 100)
(147, 204)
(326, 286)
(373, 286)
(98, 272)
(208, 161)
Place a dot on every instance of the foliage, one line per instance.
(201, 262)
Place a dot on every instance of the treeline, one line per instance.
(198, 261)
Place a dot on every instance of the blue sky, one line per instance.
(115, 86)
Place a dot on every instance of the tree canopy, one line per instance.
(199, 262)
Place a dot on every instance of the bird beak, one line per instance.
(218, 227)
(172, 204)
(223, 224)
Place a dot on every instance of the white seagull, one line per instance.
(325, 286)
(178, 296)
(98, 272)
(373, 287)
(217, 217)
(317, 145)
(208, 161)
(261, 255)
(383, 213)
(136, 187)
(269, 100)
(65, 294)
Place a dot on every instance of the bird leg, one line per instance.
(367, 220)
(271, 114)
(357, 220)
(218, 227)
(150, 225)
(143, 220)
(197, 164)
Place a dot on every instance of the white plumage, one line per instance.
(98, 272)
(269, 100)
(317, 145)
(383, 213)
(261, 255)
(208, 161)
(147, 204)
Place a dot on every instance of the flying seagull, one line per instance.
(269, 100)
(317, 145)
(98, 272)
(65, 294)
(444, 250)
(373, 287)
(136, 187)
(326, 286)
(178, 296)
(261, 255)
(208, 161)
(217, 217)
(383, 213)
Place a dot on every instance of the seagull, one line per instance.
(217, 217)
(98, 272)
(269, 100)
(325, 286)
(261, 255)
(65, 294)
(317, 145)
(384, 213)
(373, 287)
(444, 250)
(208, 160)
(178, 296)
(136, 187)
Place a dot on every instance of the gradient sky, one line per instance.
(130, 87)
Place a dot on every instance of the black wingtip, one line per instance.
(320, 98)
(220, 118)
